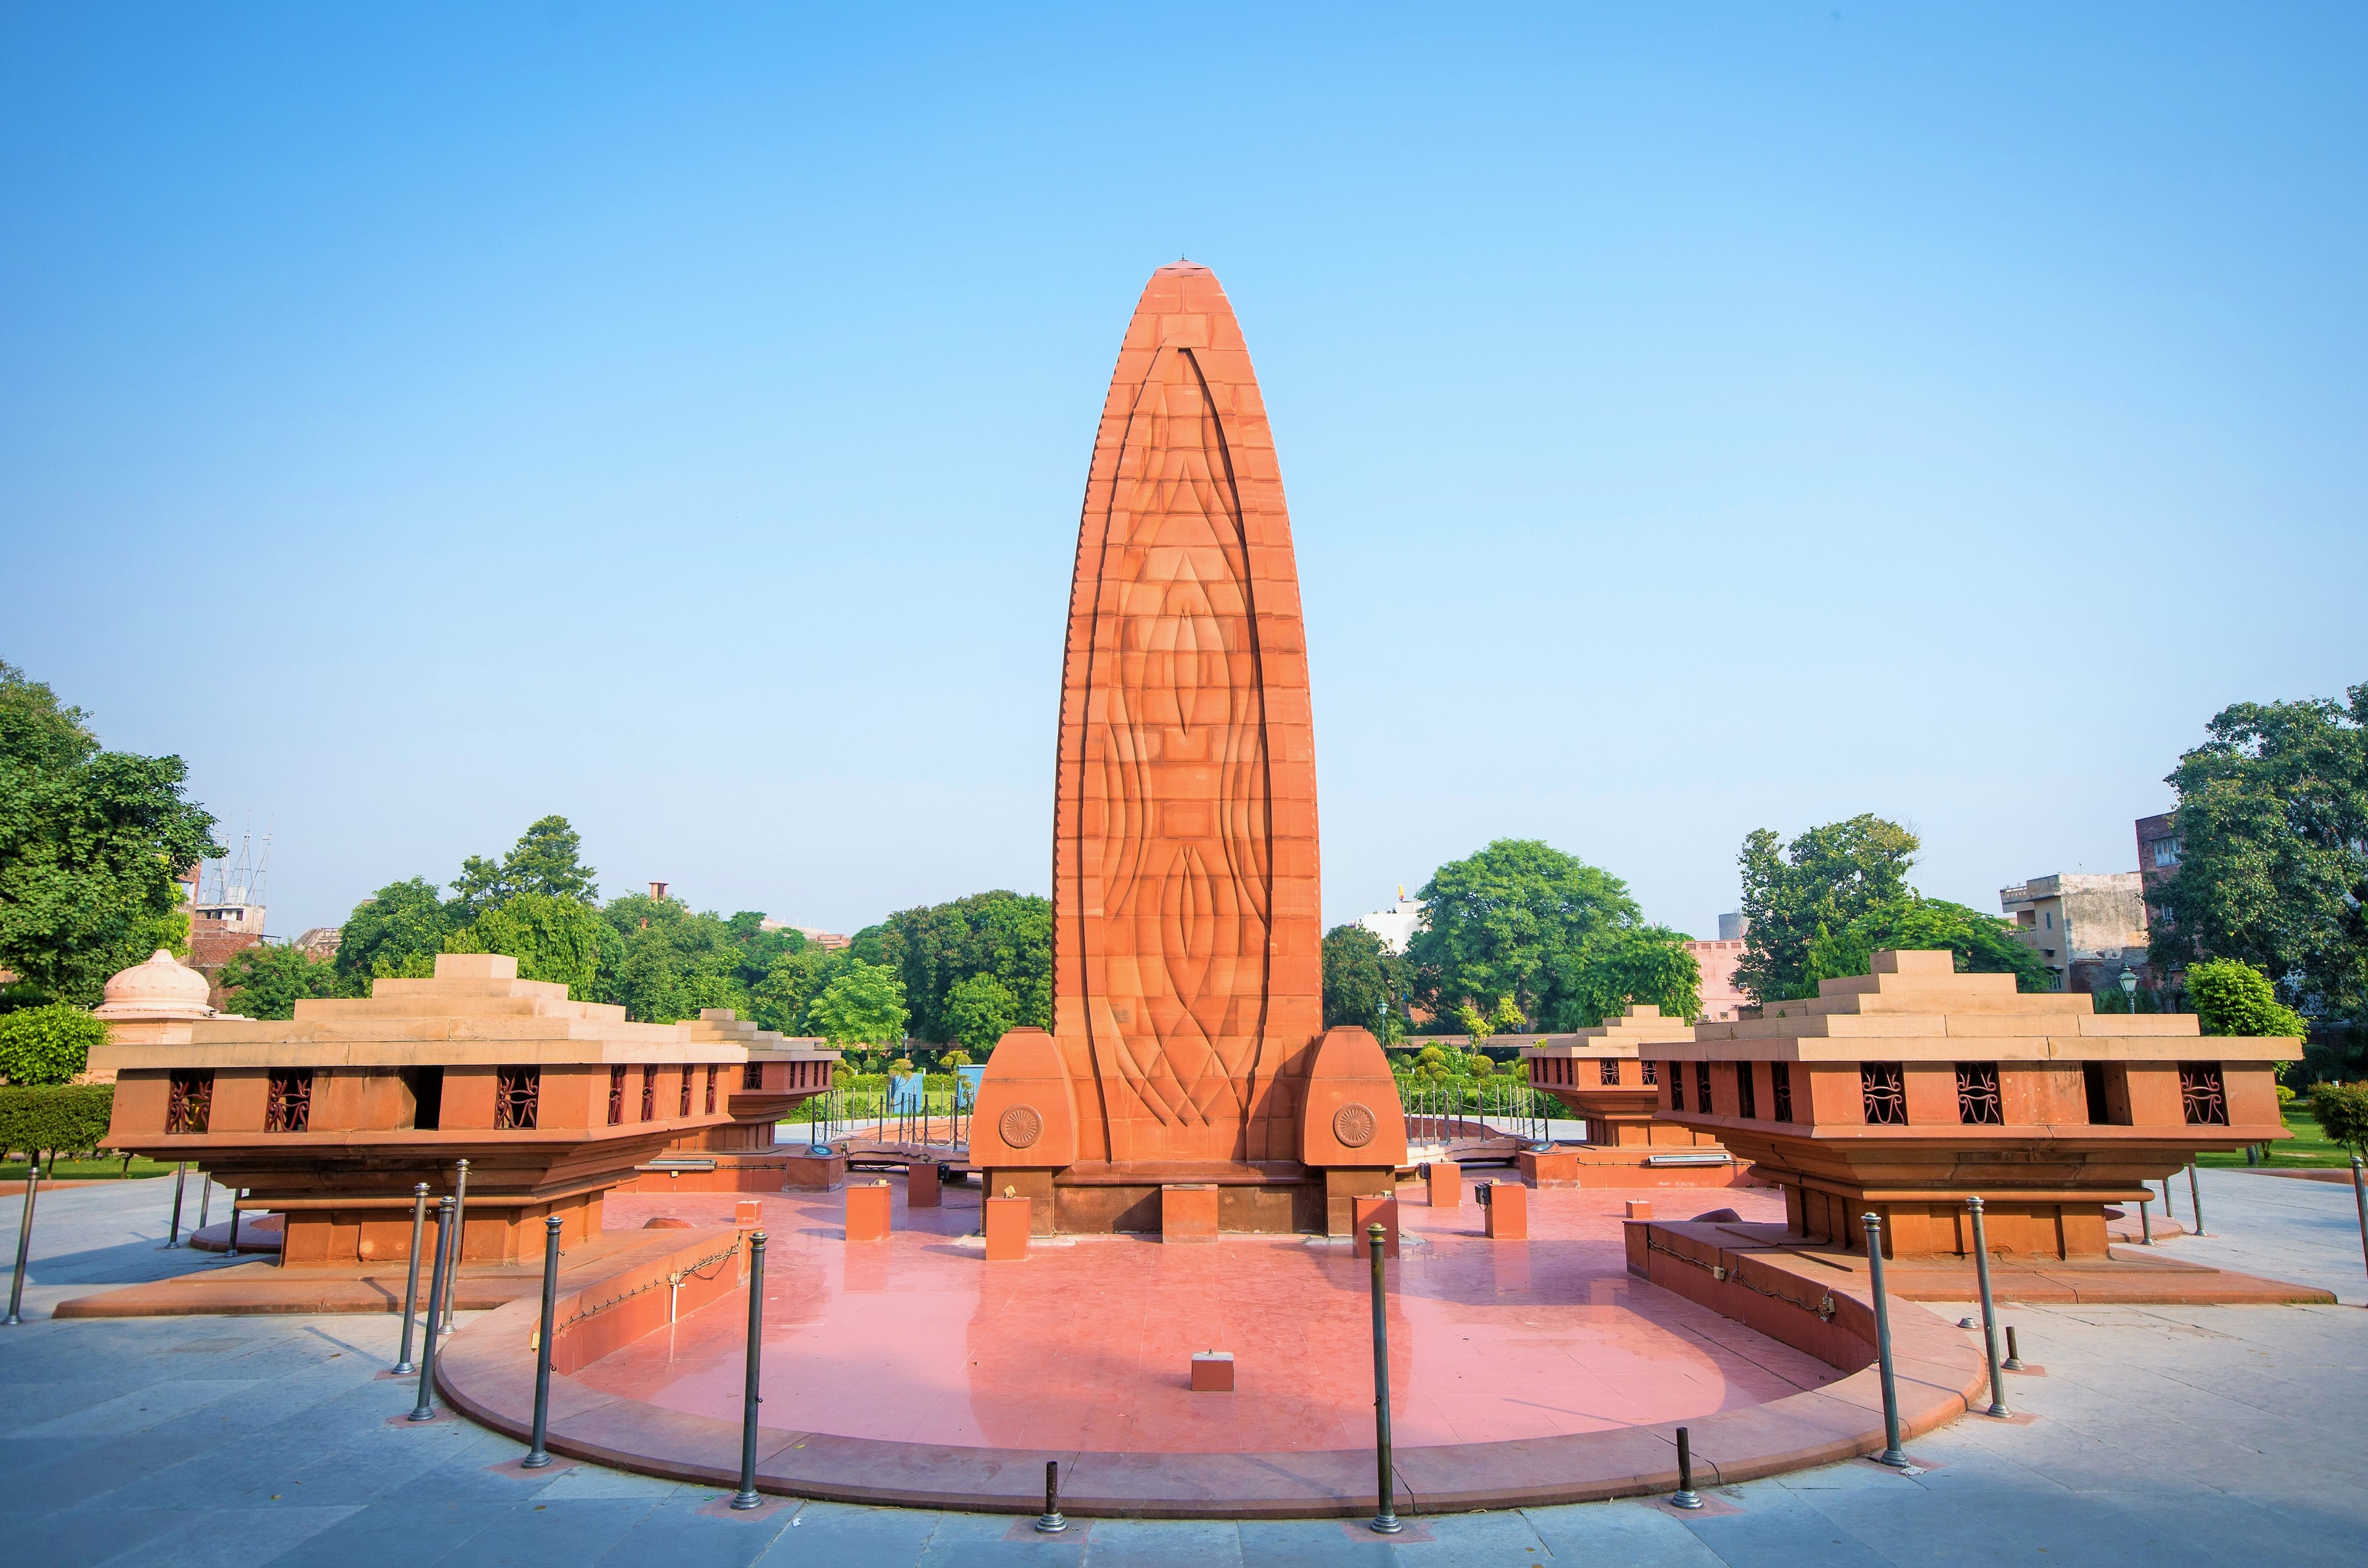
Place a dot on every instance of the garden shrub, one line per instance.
(48, 1045)
(60, 1117)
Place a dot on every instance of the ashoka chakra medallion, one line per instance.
(1353, 1125)
(1020, 1126)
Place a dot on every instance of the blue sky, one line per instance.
(1695, 418)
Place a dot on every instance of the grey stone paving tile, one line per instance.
(827, 1534)
(88, 1467)
(1481, 1540)
(137, 1410)
(1778, 1527)
(1317, 1543)
(381, 1534)
(1623, 1532)
(962, 1541)
(81, 1538)
(243, 1538)
(676, 1534)
(1167, 1543)
(596, 1480)
(548, 1533)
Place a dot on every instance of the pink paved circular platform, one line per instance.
(1088, 1345)
(912, 1371)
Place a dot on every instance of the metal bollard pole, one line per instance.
(2146, 1224)
(403, 1365)
(460, 1250)
(2014, 1362)
(1989, 1314)
(537, 1455)
(24, 1240)
(2360, 1196)
(425, 1409)
(1050, 1521)
(235, 1194)
(2195, 1197)
(1891, 1454)
(749, 1398)
(180, 1185)
(1384, 1522)
(205, 1197)
(1685, 1497)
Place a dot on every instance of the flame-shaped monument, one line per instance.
(1188, 1084)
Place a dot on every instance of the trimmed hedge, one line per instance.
(64, 1118)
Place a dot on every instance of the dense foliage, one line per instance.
(978, 1011)
(1983, 944)
(935, 949)
(2273, 814)
(1365, 984)
(2232, 997)
(1529, 936)
(55, 1118)
(91, 845)
(47, 1044)
(2342, 1112)
(1816, 886)
(268, 981)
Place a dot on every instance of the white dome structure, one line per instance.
(159, 989)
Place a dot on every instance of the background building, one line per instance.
(1717, 960)
(1394, 926)
(2086, 928)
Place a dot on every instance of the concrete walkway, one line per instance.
(2162, 1437)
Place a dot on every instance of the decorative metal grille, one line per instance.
(1747, 1093)
(1701, 1088)
(1652, 1072)
(517, 1096)
(649, 1093)
(192, 1102)
(1977, 1095)
(2206, 1097)
(710, 1089)
(1885, 1093)
(1677, 1085)
(289, 1107)
(683, 1105)
(1608, 1070)
(752, 1076)
(1780, 1085)
(616, 1096)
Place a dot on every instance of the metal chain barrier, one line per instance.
(670, 1281)
(1824, 1309)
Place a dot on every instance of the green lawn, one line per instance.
(2308, 1147)
(86, 1170)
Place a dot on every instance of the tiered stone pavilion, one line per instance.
(1609, 1075)
(1907, 1090)
(330, 1118)
(745, 1154)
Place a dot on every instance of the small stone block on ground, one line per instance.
(1384, 1211)
(1509, 1211)
(1188, 1212)
(1213, 1371)
(921, 1185)
(748, 1213)
(1445, 1180)
(867, 1212)
(1640, 1209)
(813, 1173)
(1556, 1167)
(1008, 1219)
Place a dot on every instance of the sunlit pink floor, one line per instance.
(1088, 1346)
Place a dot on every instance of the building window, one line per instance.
(649, 1093)
(1608, 1070)
(517, 1095)
(1701, 1088)
(616, 1096)
(1977, 1095)
(2165, 852)
(752, 1076)
(2201, 1090)
(1652, 1072)
(289, 1107)
(684, 1106)
(1883, 1092)
(192, 1102)
(1677, 1085)
(710, 1088)
(1780, 1082)
(1747, 1093)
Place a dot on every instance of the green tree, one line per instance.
(782, 999)
(47, 1044)
(674, 962)
(92, 844)
(396, 932)
(1818, 883)
(934, 949)
(1983, 944)
(268, 981)
(1365, 984)
(1625, 966)
(980, 1010)
(552, 938)
(546, 860)
(863, 1006)
(1502, 923)
(2232, 997)
(2342, 1112)
(2272, 812)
